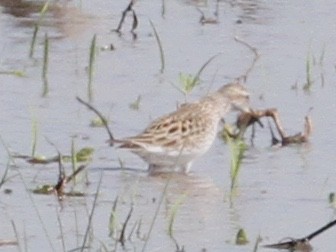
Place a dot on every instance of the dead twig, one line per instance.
(75, 173)
(101, 117)
(255, 59)
(63, 180)
(129, 8)
(275, 140)
(302, 244)
(135, 21)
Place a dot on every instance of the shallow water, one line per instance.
(281, 192)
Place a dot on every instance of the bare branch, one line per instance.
(301, 244)
(256, 57)
(102, 118)
(123, 16)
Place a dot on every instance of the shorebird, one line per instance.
(172, 142)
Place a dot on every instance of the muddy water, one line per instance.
(281, 192)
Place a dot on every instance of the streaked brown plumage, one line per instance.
(174, 141)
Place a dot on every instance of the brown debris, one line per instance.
(302, 244)
(250, 118)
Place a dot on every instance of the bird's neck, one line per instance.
(218, 103)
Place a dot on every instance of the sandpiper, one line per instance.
(172, 142)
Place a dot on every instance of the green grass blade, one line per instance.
(92, 59)
(163, 194)
(73, 158)
(33, 41)
(158, 40)
(173, 213)
(4, 175)
(17, 73)
(237, 148)
(88, 228)
(34, 135)
(45, 66)
(198, 74)
(42, 12)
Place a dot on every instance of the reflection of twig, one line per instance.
(302, 242)
(100, 115)
(256, 57)
(124, 13)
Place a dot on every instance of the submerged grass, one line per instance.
(4, 177)
(88, 228)
(113, 220)
(73, 158)
(314, 65)
(16, 236)
(309, 72)
(43, 10)
(61, 230)
(92, 59)
(45, 66)
(256, 244)
(173, 213)
(17, 73)
(114, 225)
(11, 159)
(45, 231)
(237, 149)
(136, 104)
(163, 194)
(34, 137)
(33, 41)
(163, 8)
